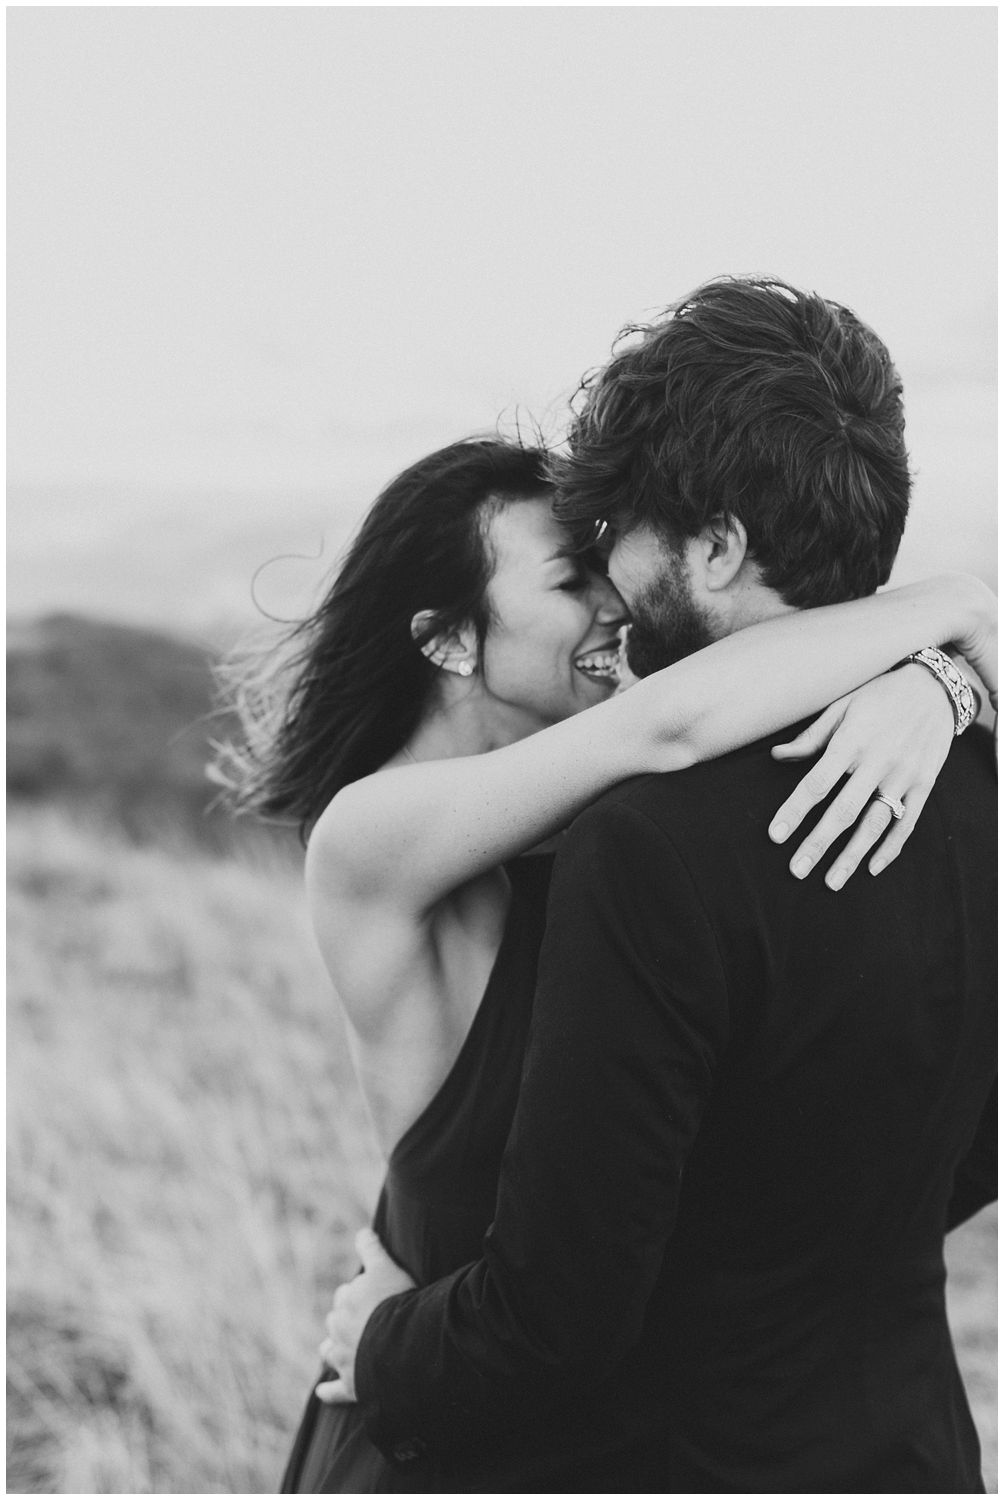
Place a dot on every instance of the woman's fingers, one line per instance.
(812, 740)
(888, 738)
(842, 814)
(814, 786)
(876, 820)
(857, 806)
(900, 831)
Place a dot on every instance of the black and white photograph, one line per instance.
(502, 749)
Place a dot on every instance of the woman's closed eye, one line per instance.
(575, 583)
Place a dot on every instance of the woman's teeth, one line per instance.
(602, 664)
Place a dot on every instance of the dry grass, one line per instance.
(188, 1159)
(972, 1308)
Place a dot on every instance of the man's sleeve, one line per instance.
(976, 1177)
(630, 1018)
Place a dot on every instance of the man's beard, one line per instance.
(666, 622)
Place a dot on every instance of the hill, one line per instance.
(117, 719)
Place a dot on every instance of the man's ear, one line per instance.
(722, 548)
(451, 650)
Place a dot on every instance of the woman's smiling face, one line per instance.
(552, 644)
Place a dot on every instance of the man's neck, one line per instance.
(751, 603)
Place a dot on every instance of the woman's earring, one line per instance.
(465, 668)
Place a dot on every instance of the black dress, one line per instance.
(438, 1197)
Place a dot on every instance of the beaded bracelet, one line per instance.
(960, 693)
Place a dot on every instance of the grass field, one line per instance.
(188, 1160)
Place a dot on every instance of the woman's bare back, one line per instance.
(410, 988)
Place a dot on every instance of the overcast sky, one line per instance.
(269, 247)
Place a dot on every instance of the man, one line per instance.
(750, 1108)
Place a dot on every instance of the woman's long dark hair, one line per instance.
(343, 690)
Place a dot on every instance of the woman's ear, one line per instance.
(450, 650)
(722, 549)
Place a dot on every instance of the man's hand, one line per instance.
(352, 1304)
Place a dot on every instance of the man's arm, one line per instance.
(630, 1018)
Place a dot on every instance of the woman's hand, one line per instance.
(890, 737)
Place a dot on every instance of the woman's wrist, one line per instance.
(972, 609)
(959, 692)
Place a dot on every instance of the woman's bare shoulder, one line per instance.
(340, 850)
(372, 943)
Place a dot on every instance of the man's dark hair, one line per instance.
(761, 403)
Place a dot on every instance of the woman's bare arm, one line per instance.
(409, 835)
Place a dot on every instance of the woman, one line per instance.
(463, 623)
